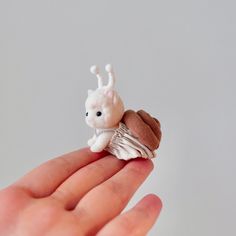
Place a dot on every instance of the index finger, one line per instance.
(43, 180)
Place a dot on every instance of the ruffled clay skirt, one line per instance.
(124, 145)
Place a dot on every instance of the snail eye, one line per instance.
(99, 113)
(86, 113)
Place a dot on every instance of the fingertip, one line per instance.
(151, 204)
(141, 164)
(153, 201)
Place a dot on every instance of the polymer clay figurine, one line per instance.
(125, 134)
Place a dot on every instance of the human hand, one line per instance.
(81, 193)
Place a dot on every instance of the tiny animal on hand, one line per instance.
(126, 134)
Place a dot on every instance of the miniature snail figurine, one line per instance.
(125, 134)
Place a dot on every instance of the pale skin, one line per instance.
(80, 193)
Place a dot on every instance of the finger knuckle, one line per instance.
(14, 195)
(114, 189)
(126, 225)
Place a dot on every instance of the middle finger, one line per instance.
(82, 181)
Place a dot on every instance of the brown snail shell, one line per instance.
(144, 127)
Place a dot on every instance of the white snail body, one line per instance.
(124, 134)
(104, 110)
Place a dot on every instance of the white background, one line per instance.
(175, 59)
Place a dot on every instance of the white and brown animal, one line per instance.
(127, 134)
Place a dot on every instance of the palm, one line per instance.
(81, 193)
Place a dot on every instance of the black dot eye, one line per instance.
(99, 113)
(86, 113)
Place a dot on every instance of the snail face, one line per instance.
(102, 110)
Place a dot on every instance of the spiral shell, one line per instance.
(144, 127)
